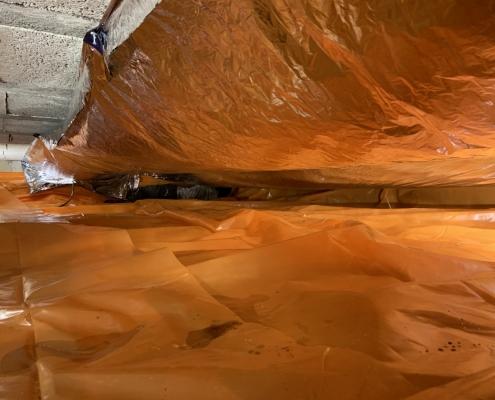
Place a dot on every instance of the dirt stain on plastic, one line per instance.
(203, 337)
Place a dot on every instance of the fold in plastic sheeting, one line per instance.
(195, 300)
(294, 93)
(254, 299)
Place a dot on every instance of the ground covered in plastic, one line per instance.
(215, 300)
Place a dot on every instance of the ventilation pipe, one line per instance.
(12, 152)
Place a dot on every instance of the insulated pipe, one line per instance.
(12, 152)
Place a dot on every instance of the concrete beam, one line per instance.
(40, 46)
(31, 125)
(35, 103)
(89, 9)
(3, 102)
(53, 91)
(44, 21)
(16, 138)
(38, 59)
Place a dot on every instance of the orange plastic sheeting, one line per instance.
(193, 300)
(13, 186)
(295, 93)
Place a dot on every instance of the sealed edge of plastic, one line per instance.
(40, 168)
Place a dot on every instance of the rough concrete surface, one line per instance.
(40, 50)
(32, 125)
(32, 103)
(3, 103)
(16, 138)
(44, 21)
(38, 59)
(90, 9)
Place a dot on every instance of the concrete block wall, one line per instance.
(40, 48)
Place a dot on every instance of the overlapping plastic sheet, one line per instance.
(292, 93)
(225, 300)
(263, 299)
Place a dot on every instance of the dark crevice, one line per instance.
(203, 337)
(7, 109)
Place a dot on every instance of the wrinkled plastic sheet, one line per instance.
(213, 300)
(273, 93)
(254, 299)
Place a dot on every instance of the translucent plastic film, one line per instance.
(212, 300)
(293, 93)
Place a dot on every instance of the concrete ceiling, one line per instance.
(40, 48)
